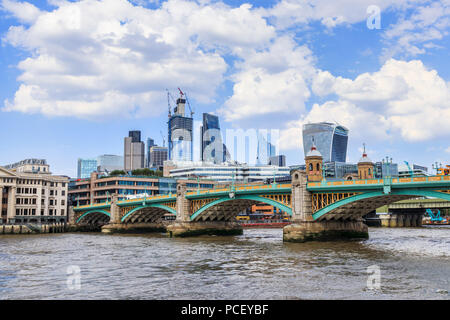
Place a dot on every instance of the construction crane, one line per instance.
(164, 139)
(169, 96)
(189, 105)
(409, 168)
(435, 217)
(187, 100)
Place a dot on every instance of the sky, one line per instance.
(76, 76)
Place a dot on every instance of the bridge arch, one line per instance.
(98, 213)
(357, 202)
(245, 200)
(147, 213)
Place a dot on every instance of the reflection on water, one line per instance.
(414, 263)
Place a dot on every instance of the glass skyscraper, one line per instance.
(210, 133)
(180, 134)
(265, 148)
(150, 144)
(109, 162)
(86, 167)
(330, 139)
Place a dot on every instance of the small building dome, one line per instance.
(313, 152)
(365, 159)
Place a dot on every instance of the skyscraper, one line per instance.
(109, 162)
(180, 133)
(150, 144)
(265, 148)
(330, 139)
(85, 167)
(211, 145)
(157, 157)
(134, 151)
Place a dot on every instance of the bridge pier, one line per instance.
(133, 228)
(191, 229)
(184, 227)
(114, 224)
(398, 220)
(304, 228)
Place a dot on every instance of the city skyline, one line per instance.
(389, 88)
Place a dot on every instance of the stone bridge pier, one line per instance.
(399, 220)
(304, 228)
(184, 227)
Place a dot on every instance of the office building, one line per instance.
(108, 163)
(383, 169)
(279, 161)
(86, 167)
(99, 188)
(225, 172)
(29, 166)
(157, 157)
(330, 139)
(148, 146)
(212, 148)
(265, 148)
(180, 133)
(32, 196)
(134, 151)
(406, 170)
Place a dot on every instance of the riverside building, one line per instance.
(99, 188)
(29, 193)
(330, 140)
(225, 172)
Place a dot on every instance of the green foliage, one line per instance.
(146, 172)
(117, 173)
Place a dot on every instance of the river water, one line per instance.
(413, 263)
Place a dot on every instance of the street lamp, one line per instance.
(437, 167)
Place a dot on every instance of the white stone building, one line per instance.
(28, 197)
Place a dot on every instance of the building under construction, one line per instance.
(180, 133)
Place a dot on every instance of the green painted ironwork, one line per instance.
(243, 197)
(367, 195)
(93, 211)
(170, 210)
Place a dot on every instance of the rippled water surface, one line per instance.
(414, 264)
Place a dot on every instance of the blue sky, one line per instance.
(77, 75)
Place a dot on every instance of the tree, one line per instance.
(117, 173)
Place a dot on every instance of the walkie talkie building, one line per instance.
(331, 140)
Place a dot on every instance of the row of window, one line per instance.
(32, 212)
(52, 202)
(44, 183)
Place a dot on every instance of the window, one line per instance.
(318, 167)
(310, 167)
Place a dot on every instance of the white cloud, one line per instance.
(89, 54)
(418, 31)
(23, 11)
(294, 13)
(274, 80)
(447, 150)
(402, 100)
